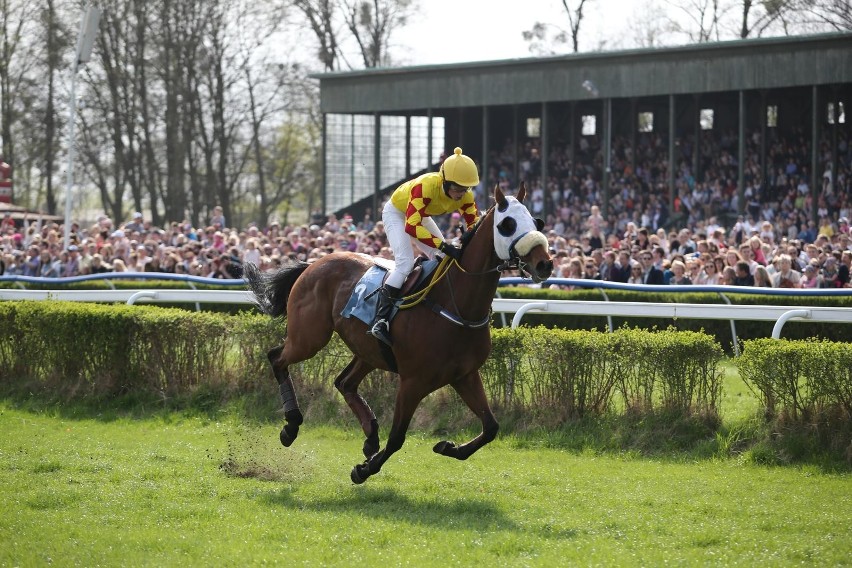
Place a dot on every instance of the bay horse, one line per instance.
(432, 347)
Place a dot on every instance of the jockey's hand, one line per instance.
(450, 250)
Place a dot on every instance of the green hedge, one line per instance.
(103, 350)
(799, 378)
(573, 374)
(806, 389)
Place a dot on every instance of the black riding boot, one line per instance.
(388, 295)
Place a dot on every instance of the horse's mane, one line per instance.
(467, 236)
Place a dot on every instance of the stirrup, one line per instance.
(381, 331)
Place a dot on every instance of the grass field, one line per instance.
(171, 488)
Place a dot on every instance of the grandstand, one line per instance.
(754, 128)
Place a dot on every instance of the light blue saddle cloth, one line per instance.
(358, 306)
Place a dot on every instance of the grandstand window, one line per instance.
(533, 128)
(350, 147)
(420, 142)
(771, 116)
(706, 119)
(839, 115)
(590, 125)
(646, 122)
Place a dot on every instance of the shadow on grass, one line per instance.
(473, 514)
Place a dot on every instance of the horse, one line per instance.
(432, 348)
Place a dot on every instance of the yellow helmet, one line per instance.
(460, 170)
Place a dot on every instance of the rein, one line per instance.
(443, 270)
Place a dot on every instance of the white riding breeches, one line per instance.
(402, 244)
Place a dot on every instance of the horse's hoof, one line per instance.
(356, 476)
(286, 438)
(445, 448)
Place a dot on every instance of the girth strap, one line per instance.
(461, 322)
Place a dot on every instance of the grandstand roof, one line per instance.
(766, 63)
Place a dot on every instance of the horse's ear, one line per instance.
(499, 198)
(522, 192)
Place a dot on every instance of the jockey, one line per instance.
(408, 213)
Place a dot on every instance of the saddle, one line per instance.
(418, 278)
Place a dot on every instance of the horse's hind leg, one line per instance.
(347, 383)
(407, 399)
(292, 414)
(471, 391)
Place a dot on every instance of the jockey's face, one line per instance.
(456, 192)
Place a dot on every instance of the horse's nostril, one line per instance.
(545, 268)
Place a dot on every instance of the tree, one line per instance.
(16, 17)
(113, 129)
(367, 25)
(55, 44)
(835, 15)
(541, 44)
(372, 23)
(320, 17)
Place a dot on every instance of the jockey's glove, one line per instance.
(450, 250)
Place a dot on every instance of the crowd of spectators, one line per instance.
(774, 244)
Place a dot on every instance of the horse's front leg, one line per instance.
(292, 414)
(347, 383)
(407, 399)
(472, 393)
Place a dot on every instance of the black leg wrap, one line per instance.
(294, 417)
(371, 444)
(288, 395)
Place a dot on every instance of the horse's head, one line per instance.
(518, 237)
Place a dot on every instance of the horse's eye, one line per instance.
(507, 227)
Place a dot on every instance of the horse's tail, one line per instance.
(271, 290)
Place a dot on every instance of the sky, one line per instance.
(453, 31)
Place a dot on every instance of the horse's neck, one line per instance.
(474, 289)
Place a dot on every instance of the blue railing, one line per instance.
(109, 276)
(602, 285)
(511, 281)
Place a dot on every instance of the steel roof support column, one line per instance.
(696, 146)
(407, 145)
(836, 116)
(634, 126)
(671, 183)
(351, 158)
(764, 171)
(741, 157)
(544, 153)
(323, 162)
(459, 137)
(429, 153)
(517, 169)
(607, 109)
(483, 174)
(814, 153)
(377, 161)
(572, 138)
